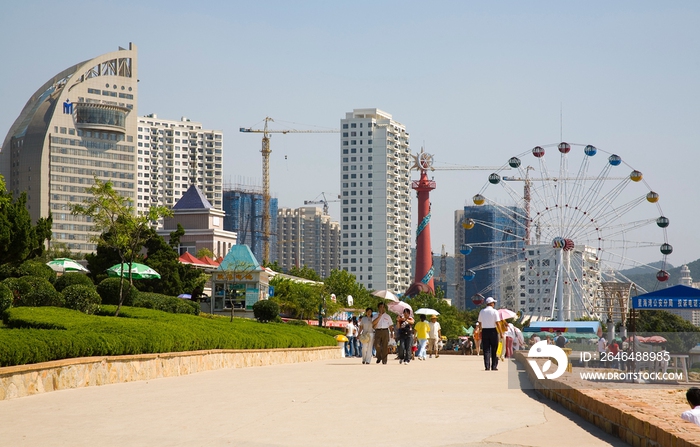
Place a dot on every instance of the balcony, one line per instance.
(100, 117)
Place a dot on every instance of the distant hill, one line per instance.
(644, 270)
(647, 279)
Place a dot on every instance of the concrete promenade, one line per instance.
(449, 401)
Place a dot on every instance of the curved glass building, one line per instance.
(80, 124)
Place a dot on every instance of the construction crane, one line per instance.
(266, 175)
(324, 202)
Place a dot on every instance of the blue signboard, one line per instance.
(676, 297)
(665, 303)
(271, 291)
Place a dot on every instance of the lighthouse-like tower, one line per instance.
(423, 278)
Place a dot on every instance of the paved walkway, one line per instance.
(449, 401)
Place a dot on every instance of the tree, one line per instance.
(120, 227)
(341, 283)
(202, 252)
(175, 277)
(304, 272)
(19, 240)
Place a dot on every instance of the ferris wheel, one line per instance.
(545, 238)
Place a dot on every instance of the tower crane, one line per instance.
(324, 202)
(266, 174)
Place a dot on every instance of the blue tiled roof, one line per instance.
(239, 258)
(193, 199)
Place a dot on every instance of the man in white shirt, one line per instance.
(602, 344)
(488, 317)
(692, 415)
(434, 336)
(383, 327)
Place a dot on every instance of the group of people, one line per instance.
(371, 335)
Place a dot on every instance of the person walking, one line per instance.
(350, 333)
(366, 336)
(422, 329)
(405, 324)
(434, 336)
(489, 317)
(383, 326)
(358, 344)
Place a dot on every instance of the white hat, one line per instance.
(490, 300)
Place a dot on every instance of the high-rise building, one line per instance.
(494, 238)
(307, 237)
(79, 125)
(243, 206)
(687, 314)
(172, 156)
(376, 200)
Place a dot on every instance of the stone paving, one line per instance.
(449, 401)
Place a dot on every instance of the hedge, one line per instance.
(40, 334)
(34, 291)
(82, 298)
(166, 303)
(71, 279)
(109, 291)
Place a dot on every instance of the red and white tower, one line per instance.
(423, 278)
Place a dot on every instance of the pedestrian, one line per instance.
(509, 337)
(405, 324)
(561, 341)
(366, 336)
(534, 338)
(477, 338)
(350, 333)
(358, 343)
(489, 317)
(602, 345)
(422, 329)
(434, 336)
(383, 326)
(693, 398)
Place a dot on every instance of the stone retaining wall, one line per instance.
(25, 380)
(626, 420)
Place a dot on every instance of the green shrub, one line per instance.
(266, 311)
(71, 279)
(108, 290)
(165, 303)
(6, 298)
(35, 291)
(36, 268)
(42, 334)
(82, 298)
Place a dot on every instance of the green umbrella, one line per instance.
(138, 271)
(65, 265)
(469, 331)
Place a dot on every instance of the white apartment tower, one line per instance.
(691, 315)
(376, 200)
(307, 237)
(172, 156)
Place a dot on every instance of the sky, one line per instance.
(473, 82)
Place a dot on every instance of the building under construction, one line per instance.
(243, 205)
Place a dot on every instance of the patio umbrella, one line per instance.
(506, 314)
(138, 271)
(386, 294)
(427, 311)
(398, 307)
(65, 265)
(654, 339)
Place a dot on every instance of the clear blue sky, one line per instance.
(475, 82)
